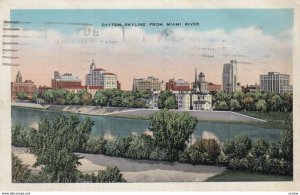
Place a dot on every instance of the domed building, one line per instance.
(200, 85)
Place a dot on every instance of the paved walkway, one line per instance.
(137, 170)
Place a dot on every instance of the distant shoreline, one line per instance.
(137, 113)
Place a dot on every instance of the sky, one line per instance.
(69, 40)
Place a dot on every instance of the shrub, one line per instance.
(259, 148)
(21, 137)
(197, 157)
(184, 156)
(110, 175)
(140, 147)
(118, 146)
(242, 145)
(159, 154)
(20, 172)
(208, 146)
(229, 148)
(273, 150)
(95, 145)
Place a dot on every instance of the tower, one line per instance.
(92, 66)
(19, 77)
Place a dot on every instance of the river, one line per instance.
(112, 126)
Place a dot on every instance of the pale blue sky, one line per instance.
(271, 21)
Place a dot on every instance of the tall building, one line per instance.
(199, 85)
(177, 85)
(275, 82)
(65, 81)
(99, 77)
(230, 77)
(27, 87)
(147, 84)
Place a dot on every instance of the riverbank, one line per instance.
(211, 116)
(136, 170)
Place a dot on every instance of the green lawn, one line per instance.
(237, 175)
(274, 119)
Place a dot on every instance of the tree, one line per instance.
(95, 145)
(110, 175)
(22, 96)
(86, 98)
(242, 144)
(100, 98)
(54, 144)
(248, 103)
(286, 139)
(167, 100)
(20, 172)
(234, 105)
(221, 105)
(171, 130)
(260, 148)
(49, 96)
(276, 103)
(140, 147)
(261, 105)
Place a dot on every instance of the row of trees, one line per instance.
(171, 135)
(108, 97)
(253, 101)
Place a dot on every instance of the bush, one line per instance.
(159, 154)
(229, 148)
(184, 156)
(21, 137)
(273, 150)
(259, 148)
(242, 145)
(210, 147)
(140, 147)
(110, 175)
(95, 145)
(237, 163)
(118, 146)
(20, 172)
(199, 158)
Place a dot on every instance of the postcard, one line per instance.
(149, 96)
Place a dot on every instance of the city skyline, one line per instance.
(164, 52)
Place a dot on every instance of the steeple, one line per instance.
(19, 77)
(92, 66)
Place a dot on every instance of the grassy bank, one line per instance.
(274, 119)
(237, 176)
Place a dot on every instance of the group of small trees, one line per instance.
(253, 101)
(261, 156)
(167, 100)
(54, 144)
(108, 97)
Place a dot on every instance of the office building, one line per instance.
(275, 82)
(229, 77)
(64, 81)
(177, 85)
(147, 84)
(99, 77)
(211, 87)
(27, 87)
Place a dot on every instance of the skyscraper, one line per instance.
(275, 82)
(230, 76)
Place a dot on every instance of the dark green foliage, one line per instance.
(286, 141)
(167, 100)
(54, 143)
(20, 172)
(160, 154)
(259, 148)
(229, 148)
(140, 147)
(110, 175)
(118, 146)
(22, 96)
(21, 136)
(242, 145)
(95, 145)
(253, 101)
(172, 131)
(273, 150)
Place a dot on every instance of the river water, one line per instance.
(112, 126)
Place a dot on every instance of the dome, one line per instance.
(201, 74)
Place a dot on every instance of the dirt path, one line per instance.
(137, 170)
